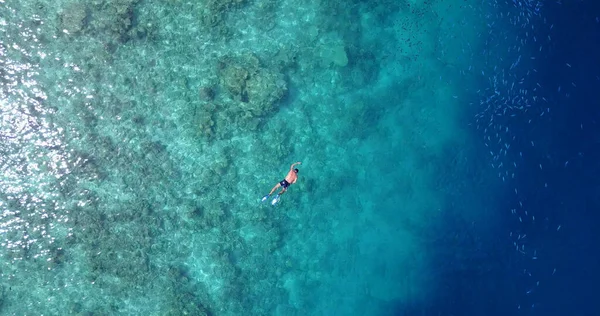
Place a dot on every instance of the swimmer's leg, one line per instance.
(274, 188)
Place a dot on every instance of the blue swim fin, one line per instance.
(265, 198)
(275, 200)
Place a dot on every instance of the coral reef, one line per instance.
(114, 21)
(263, 90)
(1, 295)
(72, 18)
(223, 5)
(184, 293)
(207, 93)
(253, 88)
(233, 79)
(215, 10)
(250, 93)
(205, 122)
(115, 18)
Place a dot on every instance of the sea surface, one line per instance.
(450, 155)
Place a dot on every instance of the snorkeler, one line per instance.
(289, 179)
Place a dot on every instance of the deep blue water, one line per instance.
(567, 146)
(571, 135)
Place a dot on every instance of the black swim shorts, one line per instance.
(284, 183)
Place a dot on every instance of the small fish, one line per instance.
(558, 228)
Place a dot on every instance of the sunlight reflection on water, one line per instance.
(34, 159)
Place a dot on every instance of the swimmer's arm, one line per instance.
(294, 164)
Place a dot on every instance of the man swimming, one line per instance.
(289, 179)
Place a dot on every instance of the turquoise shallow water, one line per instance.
(138, 137)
